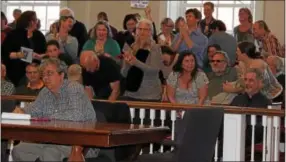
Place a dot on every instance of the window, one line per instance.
(47, 11)
(227, 11)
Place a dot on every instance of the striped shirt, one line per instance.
(271, 45)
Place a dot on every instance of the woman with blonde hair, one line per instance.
(101, 42)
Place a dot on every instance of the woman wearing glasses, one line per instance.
(166, 37)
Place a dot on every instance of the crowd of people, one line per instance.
(191, 61)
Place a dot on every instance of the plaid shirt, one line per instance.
(271, 44)
(7, 88)
(71, 103)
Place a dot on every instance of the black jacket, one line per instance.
(13, 42)
(79, 31)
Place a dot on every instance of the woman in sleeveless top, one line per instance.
(250, 59)
(187, 84)
(243, 32)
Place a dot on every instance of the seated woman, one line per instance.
(24, 36)
(248, 58)
(68, 44)
(141, 66)
(102, 43)
(187, 84)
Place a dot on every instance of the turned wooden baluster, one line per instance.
(76, 154)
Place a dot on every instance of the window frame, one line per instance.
(50, 3)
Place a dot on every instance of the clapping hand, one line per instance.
(129, 58)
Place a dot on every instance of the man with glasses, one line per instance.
(220, 78)
(59, 100)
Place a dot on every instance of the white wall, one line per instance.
(86, 11)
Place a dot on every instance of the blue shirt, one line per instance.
(200, 43)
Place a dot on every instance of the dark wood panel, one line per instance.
(85, 133)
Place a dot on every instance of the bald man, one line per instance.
(78, 30)
(102, 74)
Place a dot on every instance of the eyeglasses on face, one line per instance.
(217, 61)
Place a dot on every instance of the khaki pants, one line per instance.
(45, 152)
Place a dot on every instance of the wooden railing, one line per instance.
(170, 106)
(234, 125)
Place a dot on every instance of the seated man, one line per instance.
(7, 88)
(53, 51)
(59, 100)
(35, 84)
(102, 74)
(275, 63)
(252, 98)
(220, 86)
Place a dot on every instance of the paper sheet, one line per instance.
(28, 54)
(139, 3)
(16, 116)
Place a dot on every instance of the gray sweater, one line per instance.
(150, 88)
(69, 48)
(227, 43)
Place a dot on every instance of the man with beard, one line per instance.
(220, 78)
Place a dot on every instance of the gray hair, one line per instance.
(53, 61)
(69, 13)
(147, 22)
(259, 74)
(224, 55)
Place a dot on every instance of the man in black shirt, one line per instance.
(252, 98)
(102, 74)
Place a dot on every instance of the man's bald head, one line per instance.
(89, 61)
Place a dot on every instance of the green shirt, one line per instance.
(110, 47)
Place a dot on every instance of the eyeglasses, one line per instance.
(48, 74)
(217, 61)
